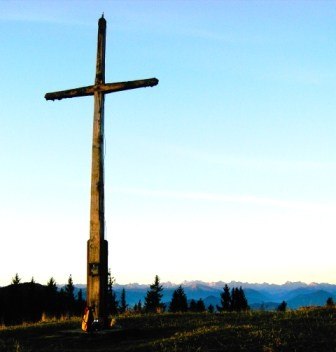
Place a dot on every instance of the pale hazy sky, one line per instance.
(224, 171)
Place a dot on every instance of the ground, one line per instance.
(303, 330)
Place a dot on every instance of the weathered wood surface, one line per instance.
(97, 256)
(97, 246)
(104, 88)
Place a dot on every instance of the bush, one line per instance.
(282, 306)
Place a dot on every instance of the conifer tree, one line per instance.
(200, 306)
(243, 305)
(225, 299)
(235, 299)
(112, 302)
(211, 308)
(51, 297)
(63, 302)
(70, 296)
(70, 289)
(80, 303)
(282, 306)
(330, 302)
(80, 296)
(193, 306)
(179, 301)
(16, 279)
(123, 304)
(52, 284)
(153, 297)
(138, 307)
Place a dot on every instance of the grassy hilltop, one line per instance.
(302, 330)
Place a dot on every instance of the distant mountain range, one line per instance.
(259, 296)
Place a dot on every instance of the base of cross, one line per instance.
(89, 324)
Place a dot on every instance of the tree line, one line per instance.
(30, 301)
(231, 300)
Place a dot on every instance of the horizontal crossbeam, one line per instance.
(104, 88)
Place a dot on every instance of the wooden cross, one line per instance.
(97, 247)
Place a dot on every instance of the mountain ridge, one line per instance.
(259, 295)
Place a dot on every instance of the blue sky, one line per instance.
(224, 171)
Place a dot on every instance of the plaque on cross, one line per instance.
(97, 247)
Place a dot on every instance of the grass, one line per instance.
(302, 330)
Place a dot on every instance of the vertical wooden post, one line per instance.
(97, 260)
(97, 248)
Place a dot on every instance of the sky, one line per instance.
(224, 171)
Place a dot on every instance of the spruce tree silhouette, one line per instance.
(52, 301)
(235, 304)
(138, 307)
(282, 307)
(200, 306)
(153, 297)
(179, 302)
(242, 305)
(16, 279)
(112, 303)
(193, 306)
(330, 302)
(80, 303)
(225, 300)
(211, 308)
(123, 304)
(80, 296)
(234, 301)
(69, 290)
